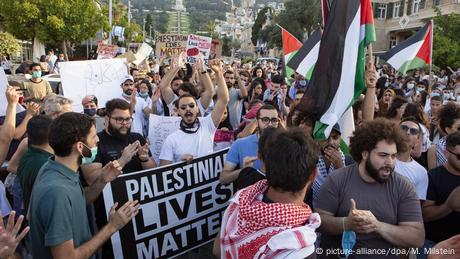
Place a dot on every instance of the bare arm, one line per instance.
(165, 162)
(330, 224)
(369, 99)
(431, 157)
(243, 90)
(208, 93)
(117, 220)
(216, 246)
(405, 234)
(13, 164)
(222, 94)
(248, 130)
(229, 174)
(8, 128)
(432, 212)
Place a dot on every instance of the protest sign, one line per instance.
(170, 45)
(198, 44)
(159, 129)
(128, 55)
(142, 53)
(106, 51)
(101, 78)
(181, 207)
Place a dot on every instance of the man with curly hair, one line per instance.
(371, 206)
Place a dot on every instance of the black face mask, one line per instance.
(116, 133)
(190, 128)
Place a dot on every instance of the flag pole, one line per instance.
(431, 57)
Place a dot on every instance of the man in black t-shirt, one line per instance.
(117, 142)
(441, 220)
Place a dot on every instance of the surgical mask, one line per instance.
(144, 95)
(348, 241)
(90, 112)
(89, 160)
(410, 86)
(36, 74)
(435, 94)
(303, 83)
(420, 89)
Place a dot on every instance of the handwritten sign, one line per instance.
(197, 45)
(105, 51)
(142, 53)
(170, 45)
(159, 129)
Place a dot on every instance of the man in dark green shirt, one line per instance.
(57, 210)
(36, 156)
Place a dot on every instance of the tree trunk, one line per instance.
(64, 50)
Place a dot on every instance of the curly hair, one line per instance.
(448, 114)
(368, 134)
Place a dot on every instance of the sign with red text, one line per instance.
(197, 45)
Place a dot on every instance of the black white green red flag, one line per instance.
(304, 60)
(290, 46)
(412, 53)
(338, 77)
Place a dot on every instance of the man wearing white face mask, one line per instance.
(37, 87)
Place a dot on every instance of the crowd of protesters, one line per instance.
(395, 188)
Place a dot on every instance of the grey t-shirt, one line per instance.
(392, 202)
(235, 107)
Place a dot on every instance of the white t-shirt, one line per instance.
(196, 144)
(416, 174)
(138, 116)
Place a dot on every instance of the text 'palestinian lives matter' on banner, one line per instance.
(181, 207)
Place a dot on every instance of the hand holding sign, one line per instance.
(119, 218)
(216, 66)
(182, 60)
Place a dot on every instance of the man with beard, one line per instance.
(58, 220)
(116, 142)
(196, 135)
(243, 153)
(237, 95)
(138, 106)
(439, 211)
(368, 205)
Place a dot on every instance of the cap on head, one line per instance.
(126, 78)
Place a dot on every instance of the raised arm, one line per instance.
(369, 99)
(243, 90)
(8, 128)
(205, 79)
(165, 83)
(222, 93)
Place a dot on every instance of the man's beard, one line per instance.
(128, 92)
(374, 172)
(229, 85)
(116, 132)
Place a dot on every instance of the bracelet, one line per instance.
(204, 72)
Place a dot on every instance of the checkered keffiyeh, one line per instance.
(254, 229)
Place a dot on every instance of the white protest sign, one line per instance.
(159, 129)
(196, 45)
(142, 53)
(3, 100)
(181, 207)
(101, 78)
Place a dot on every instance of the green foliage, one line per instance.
(258, 23)
(446, 43)
(52, 21)
(8, 44)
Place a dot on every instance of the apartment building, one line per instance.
(395, 21)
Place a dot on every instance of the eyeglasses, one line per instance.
(121, 120)
(267, 120)
(190, 105)
(412, 131)
(457, 155)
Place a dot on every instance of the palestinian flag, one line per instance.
(290, 46)
(338, 77)
(412, 53)
(304, 60)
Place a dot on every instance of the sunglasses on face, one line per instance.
(412, 131)
(267, 120)
(190, 105)
(456, 155)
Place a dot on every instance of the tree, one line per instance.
(258, 23)
(148, 22)
(8, 44)
(446, 43)
(53, 21)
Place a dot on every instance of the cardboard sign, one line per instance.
(181, 207)
(198, 44)
(105, 51)
(142, 53)
(170, 45)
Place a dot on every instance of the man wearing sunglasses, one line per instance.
(196, 135)
(405, 164)
(441, 218)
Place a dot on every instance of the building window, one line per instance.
(392, 41)
(381, 11)
(415, 6)
(396, 8)
(436, 2)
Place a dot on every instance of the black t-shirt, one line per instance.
(110, 148)
(441, 184)
(248, 176)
